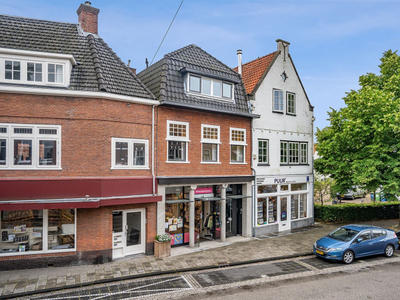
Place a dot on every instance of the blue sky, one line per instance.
(333, 42)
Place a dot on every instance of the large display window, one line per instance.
(37, 230)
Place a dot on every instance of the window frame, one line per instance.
(130, 159)
(182, 139)
(220, 96)
(233, 143)
(290, 108)
(290, 157)
(278, 103)
(266, 162)
(208, 141)
(34, 137)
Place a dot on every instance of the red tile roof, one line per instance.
(253, 71)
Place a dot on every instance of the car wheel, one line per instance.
(348, 257)
(389, 250)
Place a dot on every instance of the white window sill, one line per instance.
(237, 163)
(29, 169)
(130, 168)
(211, 162)
(178, 162)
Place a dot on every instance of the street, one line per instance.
(307, 276)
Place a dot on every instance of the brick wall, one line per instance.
(87, 128)
(195, 120)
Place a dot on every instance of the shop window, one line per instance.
(130, 153)
(61, 229)
(272, 210)
(299, 187)
(295, 207)
(210, 143)
(262, 211)
(303, 205)
(284, 187)
(238, 143)
(178, 138)
(270, 188)
(37, 230)
(30, 146)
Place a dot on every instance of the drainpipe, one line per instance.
(254, 198)
(152, 151)
(312, 164)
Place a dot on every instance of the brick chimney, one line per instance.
(87, 17)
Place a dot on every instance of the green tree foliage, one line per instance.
(361, 145)
(322, 186)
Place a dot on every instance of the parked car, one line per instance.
(353, 241)
(351, 194)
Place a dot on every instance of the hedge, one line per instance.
(356, 212)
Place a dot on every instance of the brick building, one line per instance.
(203, 147)
(76, 128)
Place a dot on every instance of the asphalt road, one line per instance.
(378, 282)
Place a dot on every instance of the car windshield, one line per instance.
(343, 234)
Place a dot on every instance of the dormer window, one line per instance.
(35, 68)
(210, 87)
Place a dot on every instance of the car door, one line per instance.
(361, 245)
(378, 241)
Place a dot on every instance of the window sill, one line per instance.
(130, 168)
(237, 163)
(30, 169)
(289, 114)
(278, 112)
(290, 165)
(211, 162)
(177, 162)
(263, 165)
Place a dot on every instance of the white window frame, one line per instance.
(25, 57)
(210, 141)
(172, 138)
(45, 240)
(258, 154)
(55, 73)
(35, 72)
(35, 137)
(211, 94)
(237, 143)
(277, 103)
(290, 158)
(12, 70)
(129, 165)
(288, 106)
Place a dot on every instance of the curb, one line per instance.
(151, 274)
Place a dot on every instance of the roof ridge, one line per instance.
(42, 20)
(96, 61)
(264, 56)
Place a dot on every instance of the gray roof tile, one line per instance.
(99, 68)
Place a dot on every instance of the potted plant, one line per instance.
(162, 245)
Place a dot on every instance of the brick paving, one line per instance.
(294, 243)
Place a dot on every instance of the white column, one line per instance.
(192, 231)
(222, 209)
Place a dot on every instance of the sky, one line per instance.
(332, 42)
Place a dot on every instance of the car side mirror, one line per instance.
(359, 240)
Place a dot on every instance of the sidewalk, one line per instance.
(211, 254)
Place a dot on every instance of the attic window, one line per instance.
(284, 76)
(210, 87)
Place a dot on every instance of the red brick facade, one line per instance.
(195, 120)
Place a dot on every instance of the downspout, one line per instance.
(152, 151)
(254, 198)
(312, 165)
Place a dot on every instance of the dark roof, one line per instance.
(98, 69)
(166, 80)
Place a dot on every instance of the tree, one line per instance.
(362, 143)
(322, 186)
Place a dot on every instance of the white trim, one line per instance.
(81, 94)
(210, 96)
(171, 138)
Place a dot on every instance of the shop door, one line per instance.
(233, 217)
(135, 231)
(284, 214)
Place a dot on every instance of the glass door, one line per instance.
(284, 213)
(135, 232)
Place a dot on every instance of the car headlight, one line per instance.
(334, 249)
(315, 244)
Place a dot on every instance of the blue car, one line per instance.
(353, 241)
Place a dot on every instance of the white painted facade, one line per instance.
(278, 184)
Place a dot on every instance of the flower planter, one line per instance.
(162, 249)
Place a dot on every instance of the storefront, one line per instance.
(283, 204)
(219, 211)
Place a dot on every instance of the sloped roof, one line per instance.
(252, 72)
(98, 69)
(166, 80)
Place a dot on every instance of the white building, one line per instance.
(282, 142)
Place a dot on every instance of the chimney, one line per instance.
(239, 54)
(283, 46)
(87, 17)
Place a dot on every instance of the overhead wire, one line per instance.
(166, 33)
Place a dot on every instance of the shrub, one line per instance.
(163, 238)
(352, 212)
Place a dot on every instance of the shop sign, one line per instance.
(279, 180)
(207, 190)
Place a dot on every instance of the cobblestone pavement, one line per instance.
(269, 247)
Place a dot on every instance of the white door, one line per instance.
(284, 213)
(129, 232)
